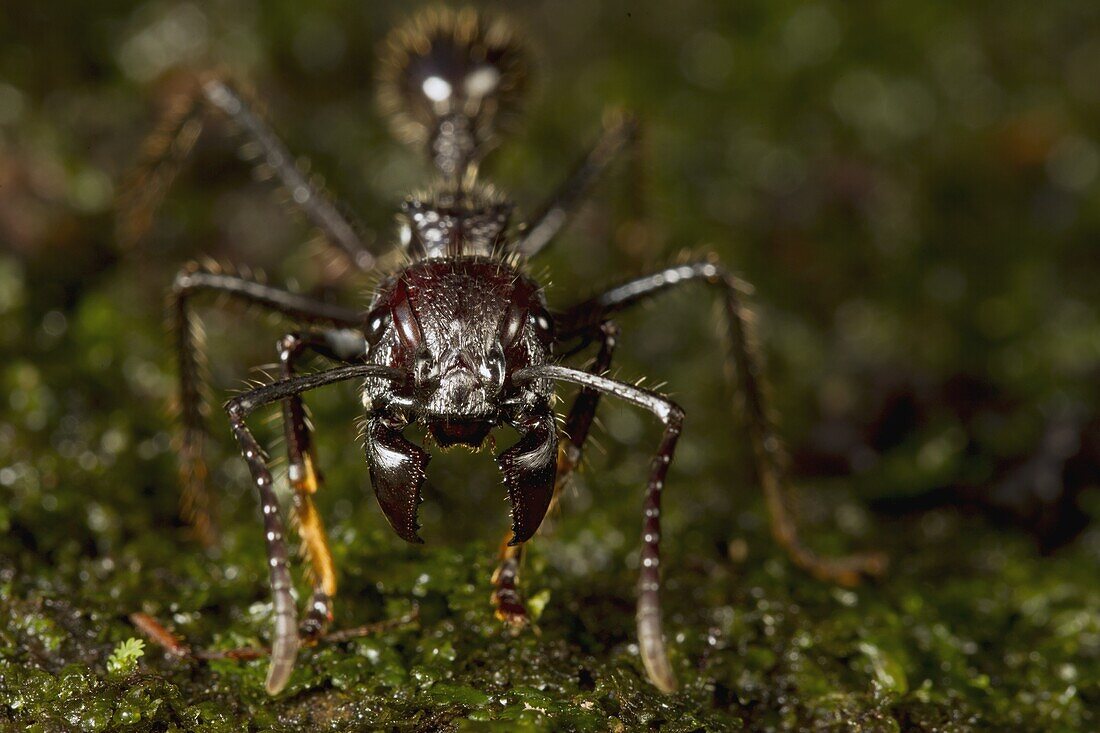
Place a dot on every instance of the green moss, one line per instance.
(951, 245)
(1000, 648)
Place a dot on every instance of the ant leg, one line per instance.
(314, 203)
(507, 600)
(745, 356)
(284, 646)
(175, 137)
(346, 346)
(552, 217)
(650, 636)
(192, 280)
(583, 412)
(508, 603)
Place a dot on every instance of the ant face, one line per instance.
(458, 329)
(462, 381)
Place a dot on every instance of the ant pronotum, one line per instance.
(458, 339)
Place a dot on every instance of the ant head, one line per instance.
(459, 329)
(453, 80)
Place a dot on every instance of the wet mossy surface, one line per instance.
(911, 192)
(971, 629)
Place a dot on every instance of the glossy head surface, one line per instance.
(458, 327)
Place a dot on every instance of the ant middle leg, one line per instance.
(770, 458)
(507, 601)
(620, 132)
(193, 280)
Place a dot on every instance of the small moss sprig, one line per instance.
(124, 658)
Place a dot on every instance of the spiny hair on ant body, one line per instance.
(458, 339)
(449, 220)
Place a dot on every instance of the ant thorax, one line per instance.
(453, 222)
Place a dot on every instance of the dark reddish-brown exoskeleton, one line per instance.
(459, 339)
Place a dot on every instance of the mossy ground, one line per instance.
(909, 188)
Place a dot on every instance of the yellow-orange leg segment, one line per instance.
(306, 480)
(508, 605)
(196, 280)
(311, 530)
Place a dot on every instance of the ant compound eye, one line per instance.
(492, 372)
(376, 325)
(543, 326)
(425, 370)
(404, 317)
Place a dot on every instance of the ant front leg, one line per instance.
(768, 451)
(651, 642)
(284, 646)
(194, 280)
(507, 601)
(346, 346)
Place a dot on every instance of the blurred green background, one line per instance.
(914, 190)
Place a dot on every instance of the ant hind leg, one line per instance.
(168, 147)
